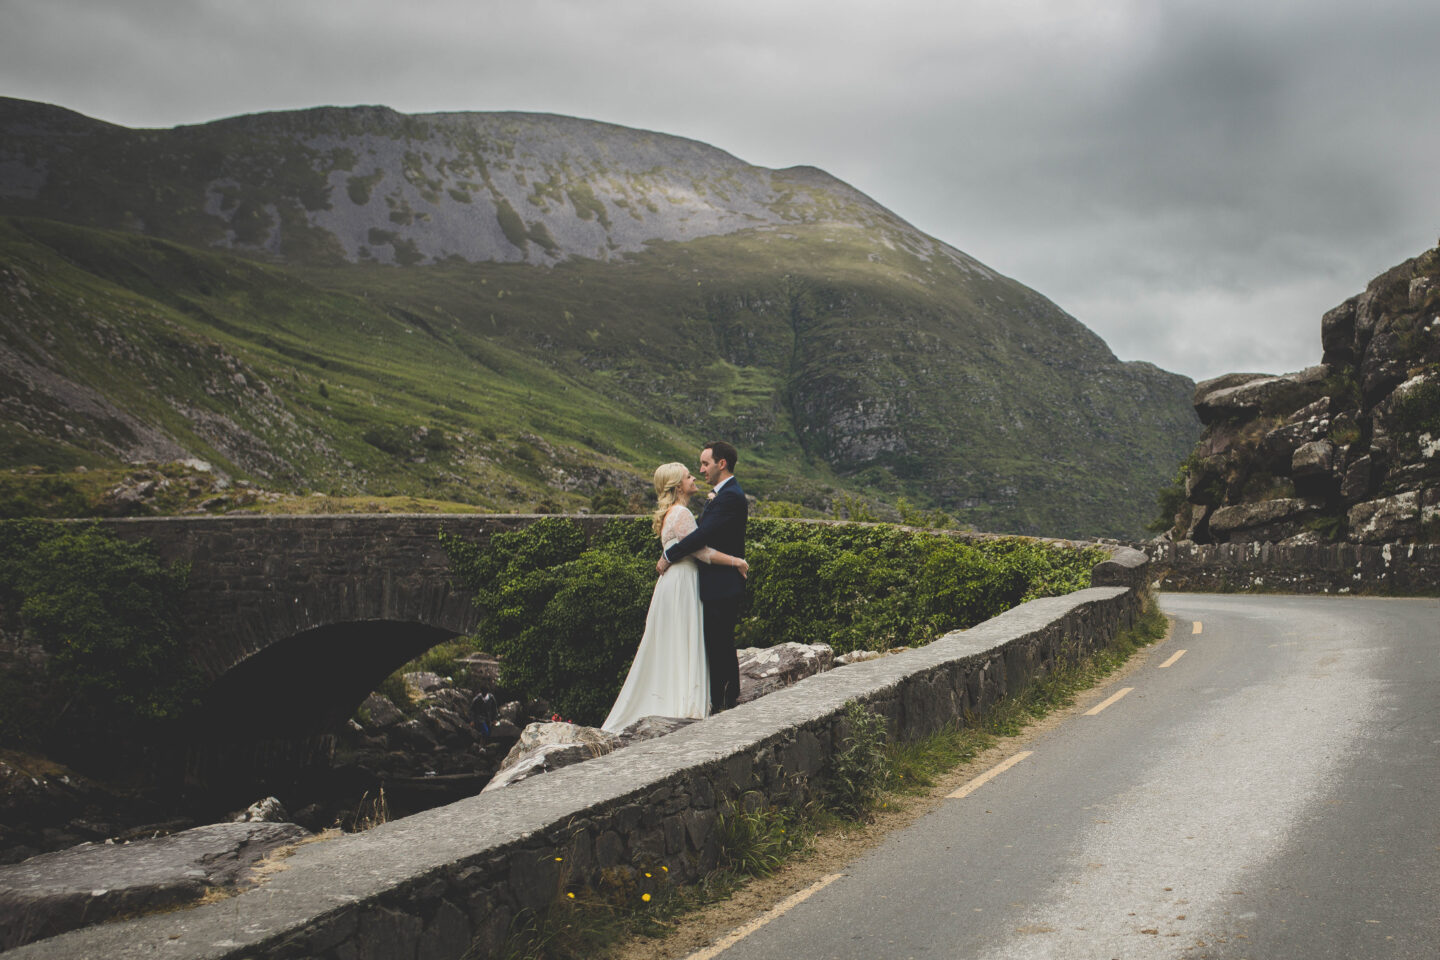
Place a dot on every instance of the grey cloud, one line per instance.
(1195, 181)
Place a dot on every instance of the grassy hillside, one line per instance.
(505, 310)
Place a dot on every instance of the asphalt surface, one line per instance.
(1273, 793)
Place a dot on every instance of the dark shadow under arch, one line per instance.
(309, 684)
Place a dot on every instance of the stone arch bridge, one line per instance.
(292, 620)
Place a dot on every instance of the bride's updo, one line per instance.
(667, 487)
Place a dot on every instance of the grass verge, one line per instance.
(755, 844)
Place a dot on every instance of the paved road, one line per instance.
(1273, 793)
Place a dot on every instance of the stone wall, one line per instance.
(1398, 569)
(452, 879)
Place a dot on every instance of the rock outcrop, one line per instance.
(91, 883)
(1345, 450)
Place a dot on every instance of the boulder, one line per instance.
(1266, 520)
(1244, 395)
(92, 883)
(1337, 333)
(1385, 366)
(1356, 483)
(269, 810)
(481, 671)
(377, 712)
(1312, 459)
(422, 684)
(1387, 520)
(550, 746)
(766, 669)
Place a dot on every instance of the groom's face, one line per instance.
(710, 467)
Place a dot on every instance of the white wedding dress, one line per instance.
(669, 677)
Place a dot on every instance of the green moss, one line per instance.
(510, 223)
(359, 188)
(586, 204)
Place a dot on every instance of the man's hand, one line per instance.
(662, 565)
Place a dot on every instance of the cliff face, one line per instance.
(527, 283)
(1346, 450)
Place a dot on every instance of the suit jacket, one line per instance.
(722, 527)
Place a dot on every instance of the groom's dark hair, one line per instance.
(720, 450)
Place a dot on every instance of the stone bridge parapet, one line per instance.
(258, 580)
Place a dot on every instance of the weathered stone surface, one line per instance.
(766, 669)
(550, 746)
(1225, 398)
(423, 684)
(1356, 483)
(377, 712)
(91, 883)
(1337, 333)
(1266, 515)
(1387, 520)
(1298, 567)
(1312, 459)
(268, 810)
(648, 728)
(1379, 348)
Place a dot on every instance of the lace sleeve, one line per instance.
(679, 524)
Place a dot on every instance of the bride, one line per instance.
(669, 677)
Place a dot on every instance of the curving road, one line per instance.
(1272, 792)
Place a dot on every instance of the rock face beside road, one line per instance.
(1348, 450)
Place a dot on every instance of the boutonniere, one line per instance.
(710, 495)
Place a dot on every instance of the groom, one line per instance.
(721, 526)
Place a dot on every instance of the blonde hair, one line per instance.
(667, 482)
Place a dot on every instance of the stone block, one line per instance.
(1356, 483)
(387, 933)
(699, 824)
(1387, 520)
(447, 935)
(1312, 459)
(609, 850)
(534, 877)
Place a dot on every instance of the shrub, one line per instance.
(859, 770)
(105, 611)
(565, 616)
(563, 619)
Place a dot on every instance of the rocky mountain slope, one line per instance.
(505, 309)
(1345, 450)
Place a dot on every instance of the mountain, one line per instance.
(1347, 450)
(537, 307)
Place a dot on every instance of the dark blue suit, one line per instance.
(721, 527)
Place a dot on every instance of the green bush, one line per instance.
(565, 616)
(105, 611)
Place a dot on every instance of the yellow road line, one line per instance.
(988, 775)
(1195, 627)
(1177, 655)
(784, 906)
(1101, 706)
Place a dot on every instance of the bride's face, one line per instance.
(687, 486)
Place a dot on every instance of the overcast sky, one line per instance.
(1195, 180)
